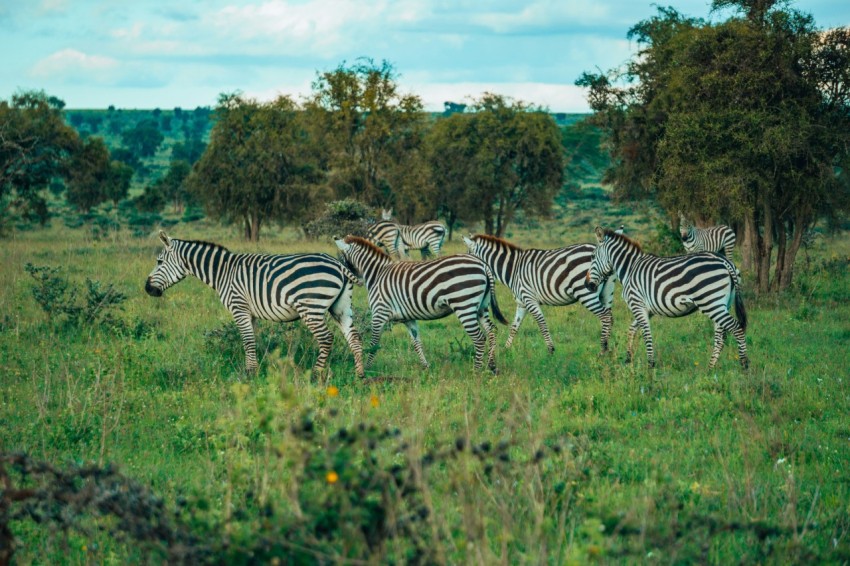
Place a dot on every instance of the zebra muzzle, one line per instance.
(151, 290)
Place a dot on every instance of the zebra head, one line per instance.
(471, 244)
(685, 228)
(601, 266)
(360, 255)
(168, 271)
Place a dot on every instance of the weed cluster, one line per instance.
(66, 305)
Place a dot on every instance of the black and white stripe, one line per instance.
(397, 239)
(672, 287)
(718, 239)
(545, 277)
(281, 288)
(407, 292)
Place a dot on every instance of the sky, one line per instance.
(156, 54)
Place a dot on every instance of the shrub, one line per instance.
(341, 217)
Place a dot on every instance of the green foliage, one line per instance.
(256, 168)
(489, 164)
(34, 148)
(340, 218)
(143, 139)
(58, 298)
(744, 120)
(371, 134)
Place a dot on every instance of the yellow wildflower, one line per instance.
(333, 391)
(332, 477)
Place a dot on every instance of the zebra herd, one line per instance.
(308, 286)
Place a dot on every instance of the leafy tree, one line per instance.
(258, 165)
(35, 142)
(745, 120)
(143, 139)
(117, 183)
(88, 174)
(507, 155)
(189, 151)
(372, 134)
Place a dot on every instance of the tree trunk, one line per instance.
(781, 236)
(255, 227)
(247, 227)
(765, 251)
(749, 243)
(800, 226)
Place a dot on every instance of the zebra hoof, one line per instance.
(551, 350)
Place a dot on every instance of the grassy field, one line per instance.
(569, 458)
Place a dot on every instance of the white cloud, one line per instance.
(318, 25)
(542, 14)
(69, 62)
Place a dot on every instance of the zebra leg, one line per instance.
(245, 324)
(730, 325)
(413, 330)
(490, 328)
(630, 346)
(719, 341)
(379, 320)
(344, 317)
(520, 314)
(533, 308)
(469, 321)
(643, 321)
(315, 321)
(607, 320)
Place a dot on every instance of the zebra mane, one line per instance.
(203, 243)
(615, 235)
(365, 243)
(497, 240)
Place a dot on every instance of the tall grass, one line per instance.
(674, 464)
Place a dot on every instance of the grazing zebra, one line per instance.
(672, 287)
(718, 239)
(545, 277)
(408, 292)
(427, 237)
(282, 288)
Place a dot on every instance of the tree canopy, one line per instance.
(256, 168)
(746, 120)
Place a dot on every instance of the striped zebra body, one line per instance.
(545, 277)
(397, 239)
(281, 288)
(672, 287)
(408, 292)
(718, 239)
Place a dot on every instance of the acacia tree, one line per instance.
(35, 142)
(746, 120)
(258, 165)
(372, 134)
(506, 157)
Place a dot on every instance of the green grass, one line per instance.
(673, 465)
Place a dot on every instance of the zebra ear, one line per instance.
(163, 237)
(386, 214)
(600, 234)
(342, 245)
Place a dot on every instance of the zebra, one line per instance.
(427, 237)
(672, 287)
(719, 239)
(282, 288)
(408, 292)
(545, 277)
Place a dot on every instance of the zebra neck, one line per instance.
(207, 262)
(504, 265)
(623, 262)
(373, 269)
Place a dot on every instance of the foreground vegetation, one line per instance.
(565, 458)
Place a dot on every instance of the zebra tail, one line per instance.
(351, 277)
(740, 309)
(494, 305)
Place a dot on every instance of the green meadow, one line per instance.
(570, 458)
